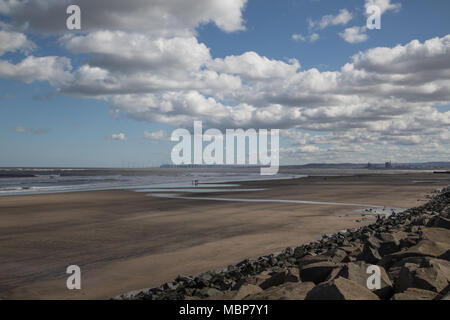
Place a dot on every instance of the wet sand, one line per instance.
(124, 240)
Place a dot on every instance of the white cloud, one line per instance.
(251, 66)
(135, 63)
(431, 56)
(180, 108)
(136, 52)
(309, 149)
(272, 93)
(118, 136)
(363, 94)
(14, 41)
(342, 18)
(384, 5)
(298, 37)
(55, 70)
(383, 99)
(354, 34)
(156, 17)
(314, 37)
(311, 38)
(160, 135)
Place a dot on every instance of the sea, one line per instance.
(24, 181)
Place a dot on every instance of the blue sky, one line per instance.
(270, 25)
(46, 120)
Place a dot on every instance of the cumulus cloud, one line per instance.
(136, 63)
(55, 70)
(354, 34)
(251, 66)
(14, 41)
(157, 17)
(253, 91)
(342, 18)
(181, 108)
(384, 98)
(131, 52)
(363, 94)
(430, 56)
(384, 5)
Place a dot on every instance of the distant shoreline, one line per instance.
(53, 181)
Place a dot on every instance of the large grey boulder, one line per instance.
(432, 275)
(357, 272)
(369, 254)
(287, 291)
(429, 248)
(394, 270)
(310, 259)
(277, 278)
(254, 280)
(352, 252)
(317, 272)
(430, 279)
(440, 235)
(405, 277)
(340, 289)
(436, 234)
(415, 294)
(208, 292)
(246, 290)
(335, 255)
(439, 222)
(440, 264)
(425, 248)
(391, 242)
(446, 296)
(373, 241)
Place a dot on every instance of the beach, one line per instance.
(123, 240)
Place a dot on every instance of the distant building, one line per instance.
(388, 165)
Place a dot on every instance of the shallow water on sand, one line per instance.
(196, 190)
(176, 196)
(49, 181)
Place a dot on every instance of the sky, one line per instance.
(111, 93)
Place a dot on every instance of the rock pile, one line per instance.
(411, 250)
